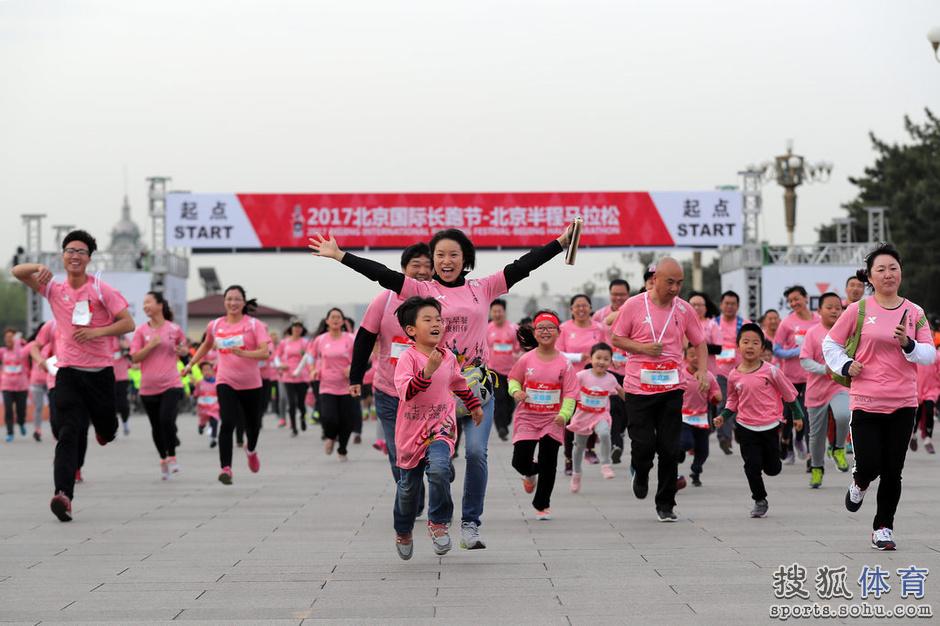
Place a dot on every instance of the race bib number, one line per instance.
(698, 420)
(12, 369)
(227, 344)
(51, 365)
(593, 400)
(727, 355)
(502, 347)
(799, 337)
(543, 397)
(620, 358)
(659, 376)
(207, 400)
(399, 345)
(81, 314)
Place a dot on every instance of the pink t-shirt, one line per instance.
(643, 321)
(207, 402)
(694, 402)
(158, 371)
(619, 363)
(791, 334)
(238, 372)
(713, 337)
(37, 375)
(465, 310)
(104, 303)
(503, 345)
(547, 384)
(290, 352)
(46, 340)
(121, 364)
(15, 374)
(268, 370)
(579, 340)
(928, 381)
(728, 340)
(431, 414)
(888, 381)
(333, 356)
(756, 396)
(820, 388)
(593, 401)
(391, 339)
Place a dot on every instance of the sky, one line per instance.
(420, 95)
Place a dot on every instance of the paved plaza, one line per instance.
(310, 539)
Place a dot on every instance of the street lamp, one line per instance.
(791, 171)
(933, 36)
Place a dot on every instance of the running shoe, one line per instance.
(913, 449)
(281, 423)
(342, 457)
(328, 445)
(9, 438)
(37, 435)
(815, 481)
(854, 497)
(725, 445)
(666, 515)
(696, 480)
(681, 483)
(928, 446)
(254, 463)
(127, 429)
(591, 457)
(164, 470)
(303, 424)
(201, 429)
(616, 454)
(470, 536)
(101, 439)
(405, 546)
(760, 508)
(575, 482)
(543, 515)
(78, 476)
(213, 442)
(842, 464)
(568, 467)
(607, 471)
(225, 476)
(440, 539)
(357, 438)
(381, 446)
(883, 539)
(61, 507)
(22, 430)
(641, 483)
(503, 434)
(173, 464)
(528, 483)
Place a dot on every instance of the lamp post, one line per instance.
(791, 171)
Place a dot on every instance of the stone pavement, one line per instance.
(310, 539)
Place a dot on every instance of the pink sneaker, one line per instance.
(254, 463)
(528, 483)
(575, 482)
(607, 471)
(225, 476)
(381, 446)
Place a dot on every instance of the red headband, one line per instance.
(546, 317)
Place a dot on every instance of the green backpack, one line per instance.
(851, 346)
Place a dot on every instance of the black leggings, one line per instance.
(925, 419)
(14, 400)
(338, 417)
(121, 402)
(545, 467)
(296, 401)
(238, 406)
(760, 450)
(505, 405)
(880, 442)
(162, 409)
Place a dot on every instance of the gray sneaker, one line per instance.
(439, 538)
(470, 536)
(760, 508)
(405, 546)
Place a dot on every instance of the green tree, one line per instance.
(906, 179)
(12, 305)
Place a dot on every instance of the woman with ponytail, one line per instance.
(157, 346)
(242, 341)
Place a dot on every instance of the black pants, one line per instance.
(695, 439)
(296, 402)
(545, 467)
(788, 425)
(654, 423)
(162, 409)
(121, 402)
(81, 398)
(268, 388)
(505, 405)
(761, 453)
(237, 406)
(14, 400)
(338, 417)
(618, 416)
(881, 442)
(925, 418)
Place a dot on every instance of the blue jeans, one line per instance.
(440, 471)
(386, 408)
(476, 438)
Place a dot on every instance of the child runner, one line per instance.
(544, 386)
(823, 394)
(426, 378)
(157, 346)
(619, 291)
(597, 386)
(207, 402)
(755, 391)
(242, 341)
(87, 312)
(695, 405)
(14, 381)
(122, 382)
(332, 354)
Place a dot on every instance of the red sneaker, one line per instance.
(381, 446)
(62, 507)
(528, 483)
(254, 463)
(78, 476)
(101, 440)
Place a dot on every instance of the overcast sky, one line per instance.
(464, 95)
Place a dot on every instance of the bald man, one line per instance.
(653, 327)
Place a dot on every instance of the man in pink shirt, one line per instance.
(619, 291)
(14, 381)
(504, 349)
(88, 312)
(653, 327)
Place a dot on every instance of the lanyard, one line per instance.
(649, 318)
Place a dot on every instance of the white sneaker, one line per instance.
(883, 539)
(164, 469)
(173, 464)
(854, 497)
(470, 536)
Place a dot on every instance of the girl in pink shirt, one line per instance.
(755, 390)
(895, 338)
(332, 355)
(207, 402)
(592, 415)
(293, 372)
(14, 380)
(157, 346)
(823, 394)
(545, 388)
(696, 407)
(928, 390)
(787, 343)
(241, 341)
(619, 292)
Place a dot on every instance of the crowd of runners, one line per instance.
(643, 381)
